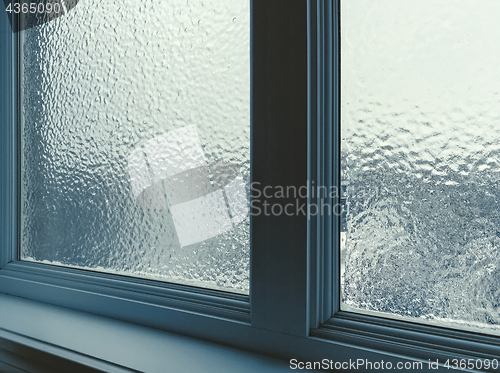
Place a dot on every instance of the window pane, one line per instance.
(136, 141)
(420, 108)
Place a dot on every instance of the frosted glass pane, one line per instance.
(136, 141)
(420, 112)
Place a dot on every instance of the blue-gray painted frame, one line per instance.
(8, 141)
(323, 161)
(279, 293)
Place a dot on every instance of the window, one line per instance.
(293, 310)
(418, 113)
(279, 156)
(371, 67)
(136, 158)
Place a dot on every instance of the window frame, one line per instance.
(293, 307)
(418, 341)
(279, 96)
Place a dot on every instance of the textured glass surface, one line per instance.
(136, 140)
(420, 109)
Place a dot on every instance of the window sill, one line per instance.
(34, 334)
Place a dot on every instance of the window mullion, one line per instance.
(323, 167)
(279, 159)
(8, 178)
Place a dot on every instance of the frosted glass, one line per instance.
(420, 109)
(136, 141)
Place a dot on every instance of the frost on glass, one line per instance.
(420, 109)
(136, 141)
